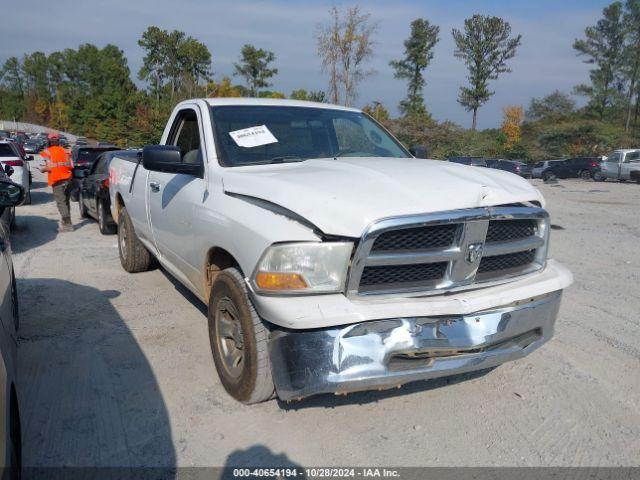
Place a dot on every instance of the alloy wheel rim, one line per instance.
(229, 337)
(123, 241)
(100, 216)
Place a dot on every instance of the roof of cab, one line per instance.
(273, 102)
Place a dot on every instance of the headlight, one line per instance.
(303, 268)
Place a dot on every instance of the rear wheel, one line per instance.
(105, 222)
(134, 256)
(599, 177)
(585, 175)
(238, 340)
(83, 209)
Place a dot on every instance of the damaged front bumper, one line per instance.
(387, 353)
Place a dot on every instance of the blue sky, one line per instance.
(544, 62)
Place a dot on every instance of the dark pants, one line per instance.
(61, 193)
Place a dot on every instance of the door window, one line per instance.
(186, 135)
(99, 166)
(614, 157)
(633, 156)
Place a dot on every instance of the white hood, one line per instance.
(343, 196)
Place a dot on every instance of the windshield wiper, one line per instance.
(286, 158)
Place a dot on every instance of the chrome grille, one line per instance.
(374, 277)
(505, 230)
(448, 251)
(500, 263)
(419, 238)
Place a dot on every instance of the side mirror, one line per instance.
(168, 159)
(419, 151)
(30, 158)
(11, 194)
(8, 169)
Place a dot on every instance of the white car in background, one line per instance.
(539, 167)
(11, 157)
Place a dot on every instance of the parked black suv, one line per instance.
(513, 166)
(578, 167)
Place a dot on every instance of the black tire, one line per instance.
(105, 222)
(15, 311)
(27, 198)
(252, 382)
(134, 256)
(585, 175)
(549, 176)
(15, 440)
(12, 219)
(83, 209)
(599, 177)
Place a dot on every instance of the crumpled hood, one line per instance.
(343, 196)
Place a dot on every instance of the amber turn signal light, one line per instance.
(280, 281)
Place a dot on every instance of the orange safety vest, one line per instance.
(60, 164)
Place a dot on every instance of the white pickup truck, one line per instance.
(620, 165)
(330, 258)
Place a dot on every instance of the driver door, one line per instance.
(609, 166)
(631, 162)
(172, 198)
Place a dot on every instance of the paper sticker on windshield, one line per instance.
(253, 136)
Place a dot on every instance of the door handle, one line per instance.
(154, 186)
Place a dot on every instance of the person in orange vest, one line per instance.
(59, 166)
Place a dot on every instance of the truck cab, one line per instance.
(621, 165)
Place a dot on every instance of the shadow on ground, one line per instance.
(258, 456)
(31, 231)
(88, 396)
(361, 398)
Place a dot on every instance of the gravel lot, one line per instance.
(115, 369)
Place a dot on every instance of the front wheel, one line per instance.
(549, 176)
(238, 339)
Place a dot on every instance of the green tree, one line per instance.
(254, 67)
(175, 58)
(12, 88)
(485, 45)
(310, 96)
(377, 111)
(603, 46)
(418, 53)
(153, 64)
(555, 106)
(631, 56)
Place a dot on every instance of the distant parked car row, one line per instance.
(513, 166)
(620, 165)
(578, 167)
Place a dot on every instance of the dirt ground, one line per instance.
(115, 369)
